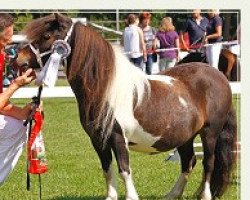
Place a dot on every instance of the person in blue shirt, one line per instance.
(214, 38)
(214, 28)
(196, 27)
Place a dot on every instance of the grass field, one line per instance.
(75, 172)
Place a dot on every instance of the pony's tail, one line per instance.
(225, 156)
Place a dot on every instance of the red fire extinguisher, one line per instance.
(36, 159)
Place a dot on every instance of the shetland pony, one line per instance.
(121, 108)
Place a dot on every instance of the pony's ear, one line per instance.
(50, 18)
(61, 19)
(58, 18)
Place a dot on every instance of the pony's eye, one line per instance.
(47, 36)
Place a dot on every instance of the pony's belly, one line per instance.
(142, 148)
(142, 141)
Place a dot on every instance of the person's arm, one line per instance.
(177, 45)
(217, 34)
(218, 29)
(5, 96)
(17, 112)
(154, 42)
(182, 32)
(154, 46)
(7, 108)
(143, 45)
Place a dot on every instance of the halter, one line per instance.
(61, 47)
(38, 54)
(60, 50)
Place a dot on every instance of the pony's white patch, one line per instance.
(143, 140)
(183, 101)
(166, 79)
(111, 184)
(206, 194)
(178, 189)
(131, 193)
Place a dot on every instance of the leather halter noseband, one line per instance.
(62, 47)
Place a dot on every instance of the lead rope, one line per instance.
(36, 102)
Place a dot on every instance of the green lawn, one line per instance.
(75, 172)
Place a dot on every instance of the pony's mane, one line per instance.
(109, 80)
(92, 63)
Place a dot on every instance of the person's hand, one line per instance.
(24, 79)
(185, 48)
(40, 108)
(26, 110)
(178, 59)
(206, 40)
(145, 58)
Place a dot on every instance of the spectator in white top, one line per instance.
(133, 41)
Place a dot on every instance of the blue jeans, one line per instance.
(149, 64)
(165, 63)
(136, 61)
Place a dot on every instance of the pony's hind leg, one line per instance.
(209, 138)
(188, 161)
(105, 156)
(219, 143)
(121, 152)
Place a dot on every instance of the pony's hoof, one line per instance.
(132, 198)
(111, 198)
(171, 196)
(208, 197)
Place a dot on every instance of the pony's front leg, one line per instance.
(111, 184)
(105, 157)
(121, 152)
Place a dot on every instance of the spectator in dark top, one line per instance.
(168, 38)
(196, 27)
(149, 39)
(214, 35)
(214, 28)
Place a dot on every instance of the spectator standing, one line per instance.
(214, 37)
(168, 38)
(196, 27)
(149, 39)
(133, 41)
(12, 132)
(214, 28)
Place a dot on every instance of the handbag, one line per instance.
(154, 57)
